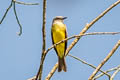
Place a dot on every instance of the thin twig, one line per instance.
(100, 75)
(101, 33)
(20, 26)
(39, 74)
(23, 3)
(14, 7)
(6, 12)
(87, 64)
(115, 73)
(105, 60)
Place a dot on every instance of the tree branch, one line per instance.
(20, 26)
(14, 7)
(115, 73)
(100, 75)
(105, 60)
(39, 74)
(6, 12)
(87, 64)
(100, 33)
(23, 3)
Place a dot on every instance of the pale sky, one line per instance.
(20, 55)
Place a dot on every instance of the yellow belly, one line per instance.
(58, 35)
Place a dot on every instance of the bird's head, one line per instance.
(59, 18)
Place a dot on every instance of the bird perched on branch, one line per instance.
(58, 33)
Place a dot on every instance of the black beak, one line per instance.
(64, 18)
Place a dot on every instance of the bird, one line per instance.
(58, 33)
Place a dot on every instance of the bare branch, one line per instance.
(87, 64)
(20, 26)
(6, 12)
(14, 7)
(115, 73)
(23, 3)
(105, 60)
(112, 69)
(39, 74)
(101, 33)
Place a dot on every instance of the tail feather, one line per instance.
(61, 65)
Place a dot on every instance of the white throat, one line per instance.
(58, 22)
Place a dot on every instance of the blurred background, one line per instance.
(20, 55)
